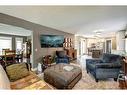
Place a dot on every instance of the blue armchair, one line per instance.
(106, 67)
(61, 57)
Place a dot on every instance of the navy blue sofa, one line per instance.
(108, 66)
(61, 57)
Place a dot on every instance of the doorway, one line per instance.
(83, 47)
(108, 46)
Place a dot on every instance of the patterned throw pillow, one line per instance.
(17, 71)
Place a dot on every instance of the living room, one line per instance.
(76, 33)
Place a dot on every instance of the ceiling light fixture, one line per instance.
(98, 33)
(99, 30)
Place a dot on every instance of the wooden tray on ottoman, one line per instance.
(62, 78)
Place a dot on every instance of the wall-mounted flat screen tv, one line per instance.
(51, 41)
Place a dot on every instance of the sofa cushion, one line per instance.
(108, 65)
(60, 53)
(17, 71)
(110, 58)
(115, 59)
(4, 81)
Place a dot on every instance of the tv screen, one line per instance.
(51, 41)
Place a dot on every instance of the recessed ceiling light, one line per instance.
(99, 30)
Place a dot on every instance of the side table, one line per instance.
(47, 59)
(46, 62)
(122, 81)
(123, 74)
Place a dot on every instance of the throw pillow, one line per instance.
(60, 53)
(17, 71)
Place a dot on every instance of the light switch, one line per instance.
(36, 49)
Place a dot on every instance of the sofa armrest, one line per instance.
(108, 65)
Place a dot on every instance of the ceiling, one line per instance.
(80, 20)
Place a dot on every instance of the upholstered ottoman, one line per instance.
(62, 76)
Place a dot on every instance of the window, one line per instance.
(19, 42)
(5, 43)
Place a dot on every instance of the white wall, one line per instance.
(120, 42)
(78, 43)
(90, 41)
